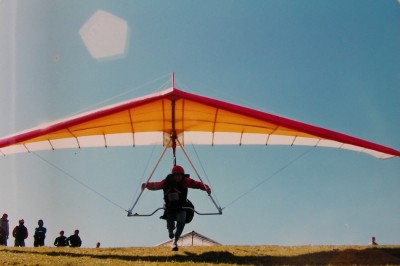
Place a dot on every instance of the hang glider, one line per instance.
(190, 119)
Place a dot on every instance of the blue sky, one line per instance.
(333, 64)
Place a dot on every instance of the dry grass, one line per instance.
(221, 255)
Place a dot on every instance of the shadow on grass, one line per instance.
(369, 256)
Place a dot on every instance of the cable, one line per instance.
(78, 181)
(208, 180)
(268, 178)
(151, 175)
(142, 176)
(125, 93)
(201, 180)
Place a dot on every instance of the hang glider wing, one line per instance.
(193, 119)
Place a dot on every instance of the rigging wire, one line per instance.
(203, 169)
(148, 179)
(77, 180)
(142, 176)
(201, 180)
(125, 93)
(268, 178)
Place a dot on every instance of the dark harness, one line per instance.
(175, 193)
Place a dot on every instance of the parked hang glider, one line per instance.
(174, 117)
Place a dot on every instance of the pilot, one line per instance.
(175, 187)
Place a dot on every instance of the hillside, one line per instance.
(221, 255)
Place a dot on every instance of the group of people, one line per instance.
(20, 233)
(72, 241)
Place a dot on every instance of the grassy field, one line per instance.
(221, 255)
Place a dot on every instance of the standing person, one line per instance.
(74, 240)
(175, 187)
(20, 233)
(40, 235)
(4, 230)
(373, 242)
(61, 241)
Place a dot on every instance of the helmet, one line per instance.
(177, 169)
